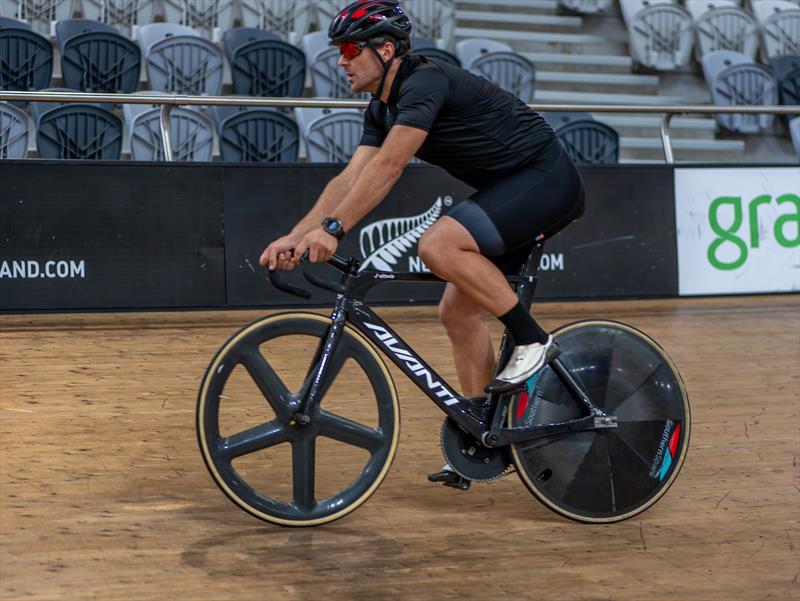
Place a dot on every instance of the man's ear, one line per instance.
(388, 51)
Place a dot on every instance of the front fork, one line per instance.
(310, 395)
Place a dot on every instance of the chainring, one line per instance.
(469, 458)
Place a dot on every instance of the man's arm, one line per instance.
(369, 189)
(379, 175)
(336, 190)
(279, 252)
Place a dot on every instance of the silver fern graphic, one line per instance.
(384, 242)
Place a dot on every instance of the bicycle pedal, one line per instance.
(462, 484)
(450, 478)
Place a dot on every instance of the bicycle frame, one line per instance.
(350, 308)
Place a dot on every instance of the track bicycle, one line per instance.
(597, 435)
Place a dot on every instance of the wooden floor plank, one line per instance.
(104, 495)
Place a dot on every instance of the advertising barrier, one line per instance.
(109, 236)
(738, 230)
(623, 246)
(91, 235)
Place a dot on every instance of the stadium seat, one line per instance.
(13, 132)
(262, 65)
(95, 57)
(39, 108)
(313, 43)
(179, 61)
(734, 80)
(589, 142)
(333, 138)
(259, 136)
(787, 70)
(305, 115)
(79, 131)
(150, 34)
(780, 24)
(26, 59)
(212, 17)
(221, 112)
(290, 18)
(629, 8)
(722, 25)
(9, 23)
(433, 20)
(191, 135)
(433, 52)
(512, 72)
(794, 129)
(468, 50)
(586, 7)
(661, 35)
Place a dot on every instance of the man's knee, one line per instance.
(430, 248)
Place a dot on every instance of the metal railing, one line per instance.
(168, 101)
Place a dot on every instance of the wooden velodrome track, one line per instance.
(105, 495)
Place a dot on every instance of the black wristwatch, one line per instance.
(333, 226)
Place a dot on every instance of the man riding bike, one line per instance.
(527, 188)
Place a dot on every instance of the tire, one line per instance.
(605, 475)
(246, 411)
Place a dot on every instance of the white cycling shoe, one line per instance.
(525, 361)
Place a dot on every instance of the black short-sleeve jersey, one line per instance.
(477, 131)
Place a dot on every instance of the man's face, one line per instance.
(363, 70)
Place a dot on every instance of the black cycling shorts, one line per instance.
(512, 214)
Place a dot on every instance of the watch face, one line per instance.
(331, 226)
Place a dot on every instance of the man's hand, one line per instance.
(320, 246)
(279, 253)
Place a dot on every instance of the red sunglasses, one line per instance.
(350, 50)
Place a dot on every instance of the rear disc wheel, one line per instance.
(605, 475)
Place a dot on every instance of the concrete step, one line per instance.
(645, 126)
(533, 41)
(468, 18)
(581, 81)
(683, 149)
(562, 97)
(530, 6)
(556, 61)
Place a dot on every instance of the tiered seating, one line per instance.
(780, 26)
(179, 60)
(433, 20)
(723, 25)
(587, 142)
(660, 33)
(187, 54)
(735, 80)
(13, 132)
(258, 135)
(95, 57)
(26, 58)
(263, 65)
(191, 133)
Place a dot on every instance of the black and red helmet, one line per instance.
(366, 19)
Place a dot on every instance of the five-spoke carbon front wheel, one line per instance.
(261, 456)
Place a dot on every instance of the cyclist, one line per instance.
(527, 188)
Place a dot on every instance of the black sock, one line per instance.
(522, 327)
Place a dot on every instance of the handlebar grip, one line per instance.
(323, 283)
(278, 282)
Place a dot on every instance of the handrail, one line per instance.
(170, 100)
